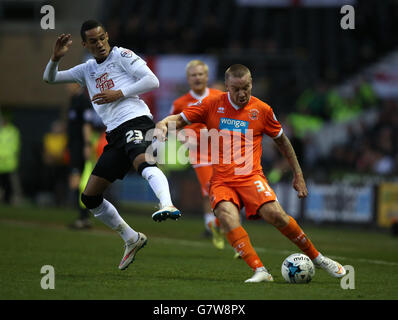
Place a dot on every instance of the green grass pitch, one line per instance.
(177, 263)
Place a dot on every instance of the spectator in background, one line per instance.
(316, 106)
(9, 155)
(55, 160)
(371, 149)
(365, 94)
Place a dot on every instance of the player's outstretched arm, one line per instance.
(173, 122)
(51, 73)
(286, 148)
(61, 47)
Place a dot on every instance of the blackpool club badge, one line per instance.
(253, 114)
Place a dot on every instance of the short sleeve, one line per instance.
(272, 127)
(196, 112)
(174, 109)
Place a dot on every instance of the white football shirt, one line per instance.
(121, 69)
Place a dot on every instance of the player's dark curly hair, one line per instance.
(88, 25)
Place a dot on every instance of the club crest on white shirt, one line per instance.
(103, 83)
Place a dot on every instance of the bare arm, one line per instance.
(173, 122)
(286, 148)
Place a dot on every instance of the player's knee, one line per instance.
(140, 156)
(228, 218)
(276, 217)
(142, 166)
(92, 202)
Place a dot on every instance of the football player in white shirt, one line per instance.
(114, 79)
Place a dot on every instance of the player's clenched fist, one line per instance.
(61, 46)
(160, 131)
(299, 186)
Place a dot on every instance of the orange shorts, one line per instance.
(204, 174)
(251, 194)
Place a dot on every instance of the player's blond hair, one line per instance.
(237, 71)
(195, 63)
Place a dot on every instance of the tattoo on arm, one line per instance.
(286, 148)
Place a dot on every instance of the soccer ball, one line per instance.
(298, 268)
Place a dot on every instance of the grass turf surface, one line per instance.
(177, 262)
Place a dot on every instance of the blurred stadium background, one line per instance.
(334, 90)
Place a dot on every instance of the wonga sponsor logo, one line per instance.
(233, 125)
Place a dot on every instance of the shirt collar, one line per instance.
(197, 97)
(108, 57)
(233, 104)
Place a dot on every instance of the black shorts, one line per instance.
(125, 143)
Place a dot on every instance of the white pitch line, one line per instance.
(189, 243)
(272, 251)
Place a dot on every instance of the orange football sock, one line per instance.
(239, 240)
(295, 234)
(217, 222)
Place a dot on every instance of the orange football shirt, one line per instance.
(179, 105)
(237, 133)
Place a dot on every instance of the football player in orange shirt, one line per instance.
(238, 179)
(197, 78)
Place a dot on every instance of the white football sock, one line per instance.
(108, 214)
(261, 269)
(159, 184)
(318, 259)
